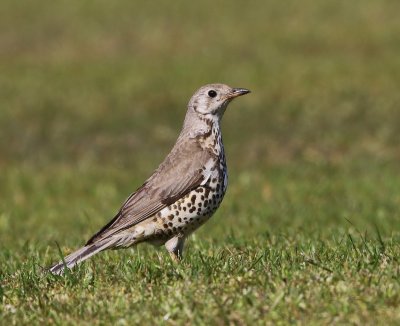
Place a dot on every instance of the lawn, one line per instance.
(92, 97)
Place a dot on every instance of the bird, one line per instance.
(181, 194)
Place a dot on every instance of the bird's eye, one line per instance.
(212, 93)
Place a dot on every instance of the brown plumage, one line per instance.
(181, 194)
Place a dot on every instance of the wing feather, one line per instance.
(181, 172)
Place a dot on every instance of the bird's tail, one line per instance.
(81, 255)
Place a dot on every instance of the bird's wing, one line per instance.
(182, 171)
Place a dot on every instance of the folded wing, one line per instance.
(182, 171)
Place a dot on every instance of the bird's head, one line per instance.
(206, 108)
(210, 101)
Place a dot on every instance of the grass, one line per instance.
(92, 98)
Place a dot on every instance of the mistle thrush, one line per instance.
(184, 191)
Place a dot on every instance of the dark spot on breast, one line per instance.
(170, 224)
(171, 217)
(165, 225)
(192, 209)
(189, 204)
(193, 199)
(179, 220)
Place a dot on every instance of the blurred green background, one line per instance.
(92, 97)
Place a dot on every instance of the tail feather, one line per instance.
(80, 255)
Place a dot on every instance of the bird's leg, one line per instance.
(175, 248)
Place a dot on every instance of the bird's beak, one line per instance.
(237, 92)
